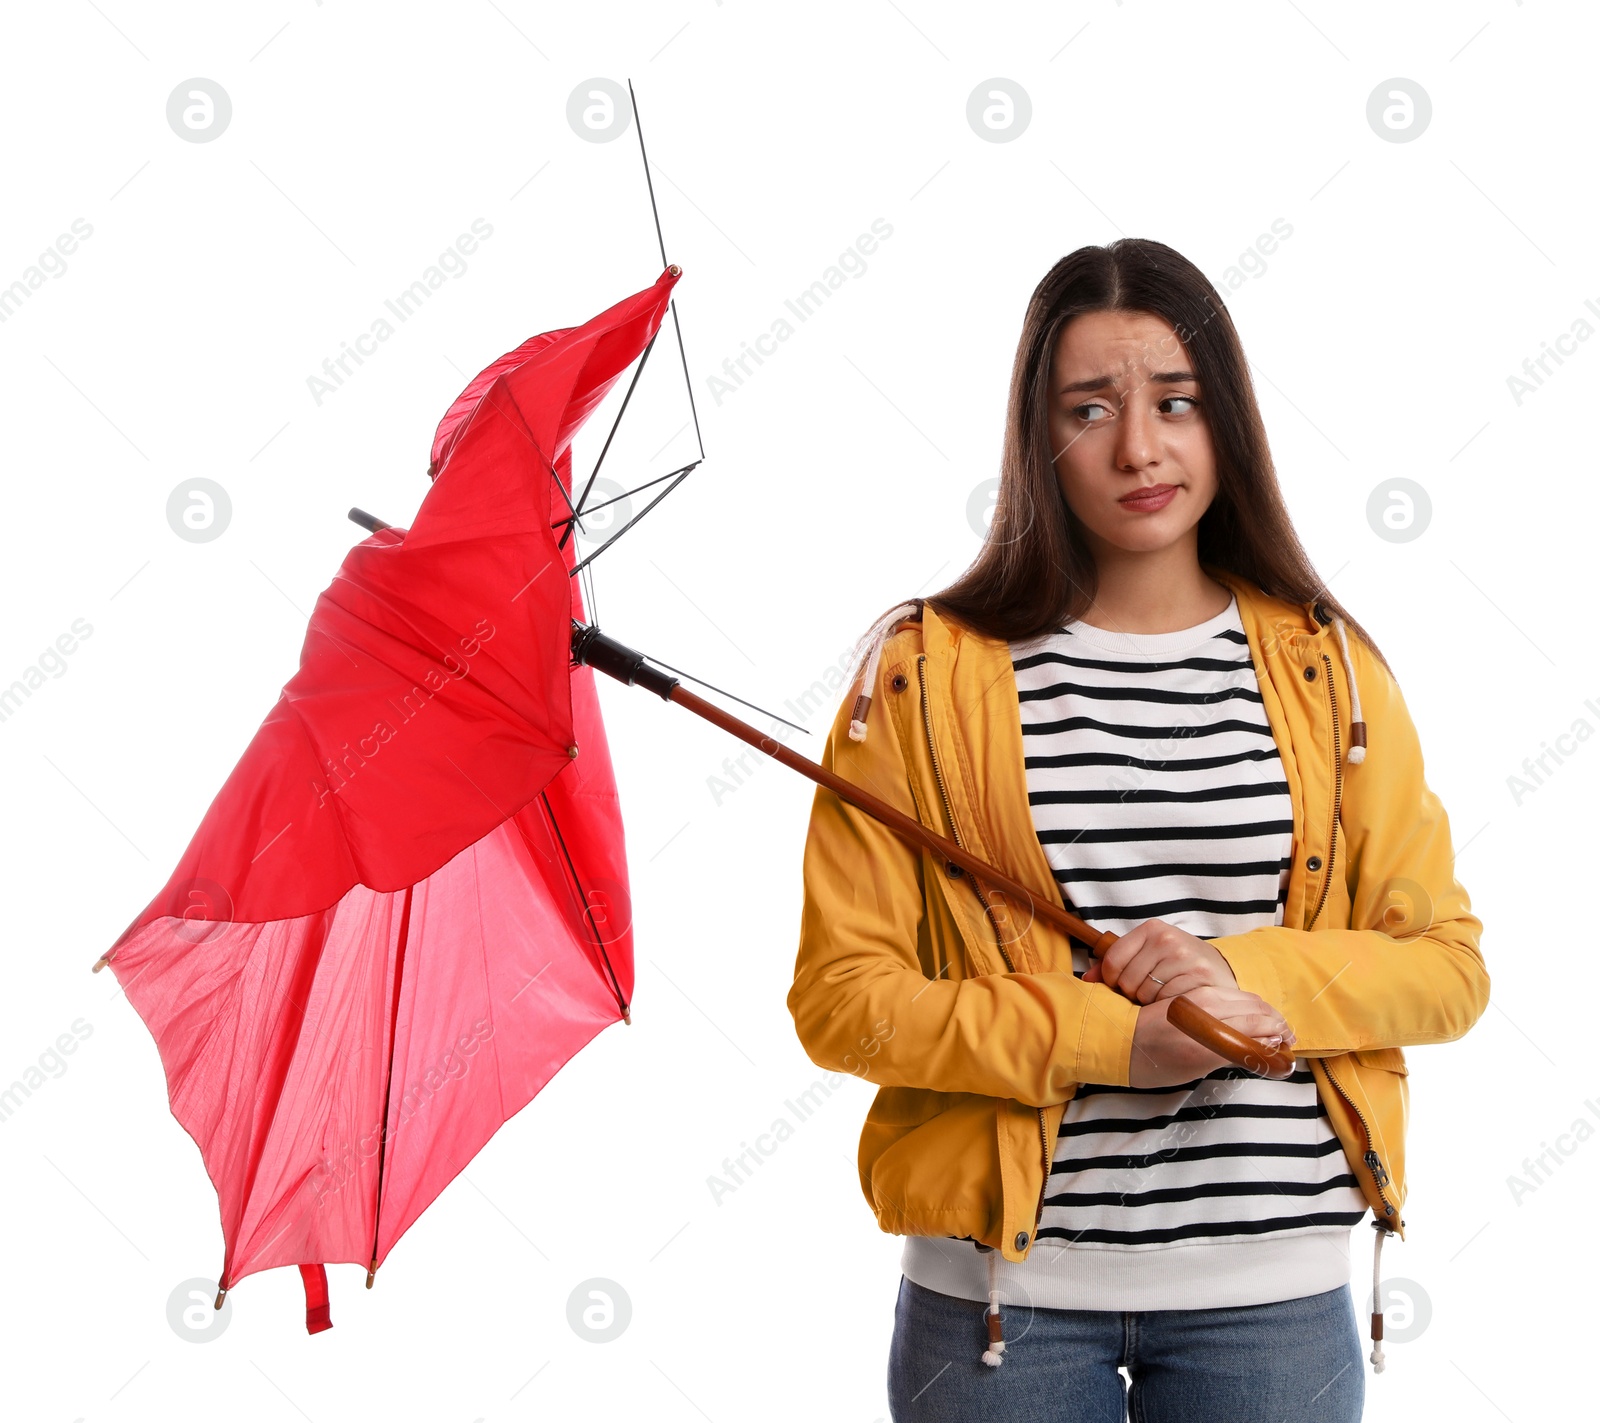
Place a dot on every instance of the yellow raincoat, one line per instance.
(972, 1024)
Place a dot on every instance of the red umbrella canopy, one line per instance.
(407, 906)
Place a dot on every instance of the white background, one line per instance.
(177, 344)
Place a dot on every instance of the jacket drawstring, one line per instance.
(994, 1354)
(997, 1337)
(1376, 1356)
(1358, 728)
(876, 635)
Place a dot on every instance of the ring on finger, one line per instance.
(1154, 979)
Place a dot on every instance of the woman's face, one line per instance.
(1125, 422)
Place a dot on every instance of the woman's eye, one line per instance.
(1085, 412)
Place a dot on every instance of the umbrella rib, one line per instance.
(548, 462)
(617, 499)
(584, 562)
(589, 600)
(639, 129)
(588, 912)
(638, 371)
(688, 384)
(394, 1022)
(723, 691)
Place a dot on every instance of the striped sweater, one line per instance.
(1157, 793)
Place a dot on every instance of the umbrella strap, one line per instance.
(315, 1279)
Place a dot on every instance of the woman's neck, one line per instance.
(1164, 590)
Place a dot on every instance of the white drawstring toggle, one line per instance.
(997, 1339)
(878, 634)
(1376, 1357)
(1358, 727)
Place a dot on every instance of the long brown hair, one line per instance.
(1034, 571)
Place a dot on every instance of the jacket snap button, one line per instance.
(1021, 1241)
(898, 682)
(1314, 863)
(952, 869)
(1311, 674)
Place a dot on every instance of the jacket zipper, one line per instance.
(1380, 1174)
(988, 913)
(1338, 787)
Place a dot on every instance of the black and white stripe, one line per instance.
(1157, 792)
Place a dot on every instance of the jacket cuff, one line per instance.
(1250, 958)
(1105, 1038)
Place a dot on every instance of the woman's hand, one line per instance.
(1164, 1057)
(1156, 950)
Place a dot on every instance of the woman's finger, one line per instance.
(1260, 1025)
(1185, 982)
(1248, 1012)
(1140, 974)
(1114, 962)
(1257, 1021)
(1130, 963)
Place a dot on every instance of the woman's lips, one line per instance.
(1149, 499)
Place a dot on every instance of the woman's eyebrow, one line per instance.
(1101, 382)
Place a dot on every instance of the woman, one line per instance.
(1142, 699)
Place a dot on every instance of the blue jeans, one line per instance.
(1297, 1361)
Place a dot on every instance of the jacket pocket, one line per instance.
(930, 1163)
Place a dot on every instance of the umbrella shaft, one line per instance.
(909, 829)
(591, 646)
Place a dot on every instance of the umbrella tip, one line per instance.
(627, 1017)
(99, 964)
(372, 1270)
(676, 270)
(222, 1290)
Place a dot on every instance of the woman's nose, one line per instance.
(1135, 436)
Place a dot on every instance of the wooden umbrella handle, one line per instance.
(1239, 1048)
